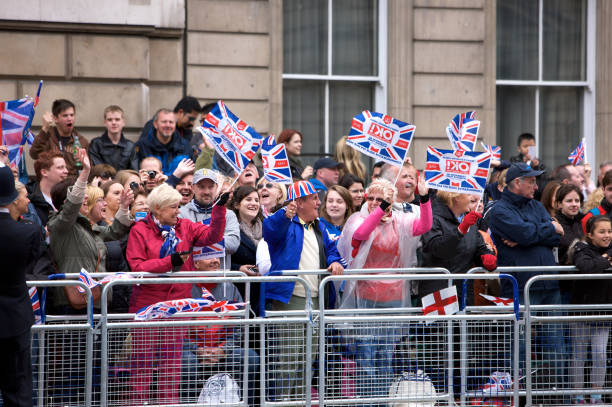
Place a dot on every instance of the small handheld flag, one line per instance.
(459, 171)
(275, 162)
(381, 136)
(443, 302)
(462, 131)
(495, 151)
(35, 305)
(499, 301)
(576, 157)
(234, 140)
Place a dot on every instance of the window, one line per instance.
(545, 75)
(332, 70)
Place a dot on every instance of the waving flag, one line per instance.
(499, 301)
(443, 302)
(275, 162)
(167, 309)
(15, 121)
(576, 157)
(35, 305)
(87, 279)
(233, 139)
(460, 171)
(495, 151)
(462, 131)
(209, 252)
(381, 136)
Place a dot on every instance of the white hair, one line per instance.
(382, 185)
(162, 196)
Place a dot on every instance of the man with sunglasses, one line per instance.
(112, 147)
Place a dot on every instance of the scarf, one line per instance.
(253, 231)
(206, 209)
(170, 240)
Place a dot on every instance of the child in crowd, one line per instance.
(592, 257)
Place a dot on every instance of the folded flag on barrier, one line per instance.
(234, 140)
(495, 151)
(462, 131)
(381, 136)
(576, 157)
(499, 301)
(35, 305)
(275, 162)
(91, 283)
(443, 302)
(459, 171)
(167, 309)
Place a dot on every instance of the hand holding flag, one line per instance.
(275, 162)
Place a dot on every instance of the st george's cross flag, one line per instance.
(234, 140)
(275, 161)
(495, 151)
(576, 157)
(499, 301)
(381, 136)
(462, 131)
(459, 171)
(443, 302)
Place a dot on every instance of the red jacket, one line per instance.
(144, 244)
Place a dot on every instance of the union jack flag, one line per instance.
(87, 279)
(209, 252)
(116, 276)
(35, 305)
(462, 131)
(381, 136)
(275, 162)
(495, 151)
(498, 382)
(299, 189)
(15, 121)
(576, 157)
(234, 140)
(460, 171)
(167, 309)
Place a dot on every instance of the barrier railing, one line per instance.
(91, 359)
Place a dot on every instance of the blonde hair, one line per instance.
(93, 194)
(593, 200)
(281, 187)
(382, 185)
(351, 159)
(163, 196)
(447, 197)
(501, 180)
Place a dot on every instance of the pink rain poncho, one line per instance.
(386, 242)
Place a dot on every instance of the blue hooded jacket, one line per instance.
(169, 154)
(526, 222)
(285, 240)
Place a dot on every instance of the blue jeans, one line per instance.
(194, 374)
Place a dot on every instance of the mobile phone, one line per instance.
(254, 269)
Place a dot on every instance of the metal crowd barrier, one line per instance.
(355, 356)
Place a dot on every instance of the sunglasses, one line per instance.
(4, 152)
(371, 198)
(269, 186)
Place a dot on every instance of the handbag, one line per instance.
(219, 390)
(412, 385)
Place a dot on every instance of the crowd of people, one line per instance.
(112, 205)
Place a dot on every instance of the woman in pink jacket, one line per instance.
(158, 244)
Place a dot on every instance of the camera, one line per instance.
(151, 174)
(135, 186)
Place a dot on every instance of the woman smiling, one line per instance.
(336, 208)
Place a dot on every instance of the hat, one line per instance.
(299, 189)
(8, 193)
(205, 173)
(518, 170)
(326, 162)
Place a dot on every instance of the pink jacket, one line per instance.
(144, 244)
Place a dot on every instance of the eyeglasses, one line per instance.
(269, 186)
(371, 198)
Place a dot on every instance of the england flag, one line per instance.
(443, 302)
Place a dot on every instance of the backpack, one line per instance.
(412, 385)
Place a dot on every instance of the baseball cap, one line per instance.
(518, 170)
(205, 173)
(327, 162)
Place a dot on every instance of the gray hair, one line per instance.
(163, 196)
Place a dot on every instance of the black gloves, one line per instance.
(223, 198)
(384, 205)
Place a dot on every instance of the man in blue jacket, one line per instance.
(525, 235)
(297, 241)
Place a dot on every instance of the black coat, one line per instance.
(572, 228)
(444, 246)
(588, 259)
(122, 156)
(20, 244)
